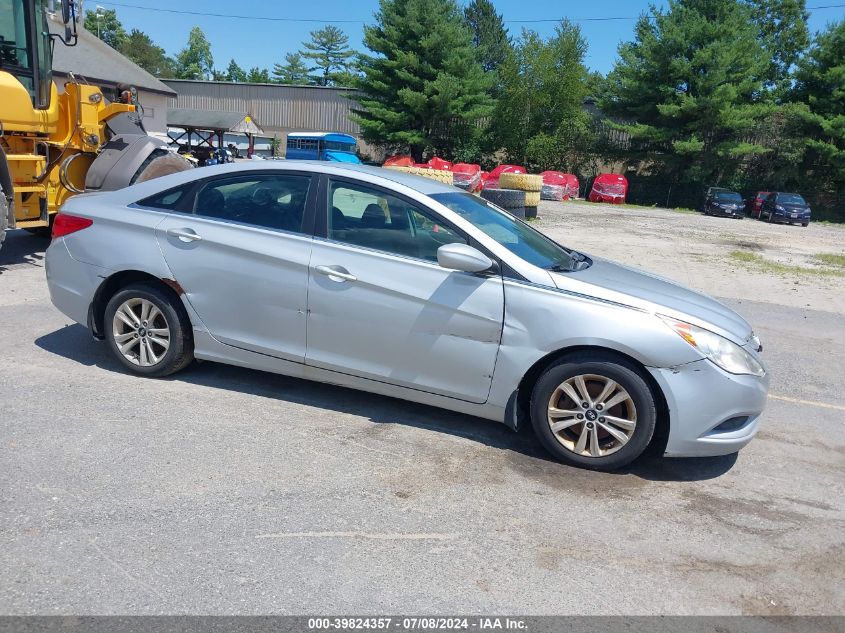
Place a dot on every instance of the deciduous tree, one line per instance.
(107, 26)
(195, 60)
(540, 118)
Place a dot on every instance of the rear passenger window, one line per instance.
(168, 199)
(374, 219)
(273, 201)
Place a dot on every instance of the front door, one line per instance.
(242, 258)
(381, 308)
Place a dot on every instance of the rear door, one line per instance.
(240, 251)
(381, 308)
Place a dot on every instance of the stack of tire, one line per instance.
(531, 184)
(511, 200)
(440, 175)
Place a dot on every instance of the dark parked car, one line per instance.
(723, 202)
(752, 205)
(785, 207)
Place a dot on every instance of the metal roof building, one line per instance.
(279, 108)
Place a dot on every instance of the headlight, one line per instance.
(779, 207)
(724, 353)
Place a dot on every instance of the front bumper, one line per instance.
(72, 284)
(711, 412)
(728, 213)
(787, 217)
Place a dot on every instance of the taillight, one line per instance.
(64, 224)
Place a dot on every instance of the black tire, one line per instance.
(180, 352)
(505, 198)
(518, 212)
(627, 376)
(159, 163)
(530, 212)
(805, 224)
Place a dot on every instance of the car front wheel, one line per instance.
(148, 330)
(594, 411)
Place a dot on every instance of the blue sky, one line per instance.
(261, 42)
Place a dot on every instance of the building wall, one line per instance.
(277, 109)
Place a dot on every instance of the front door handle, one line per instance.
(331, 271)
(185, 235)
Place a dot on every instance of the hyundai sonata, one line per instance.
(399, 285)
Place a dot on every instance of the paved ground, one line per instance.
(229, 491)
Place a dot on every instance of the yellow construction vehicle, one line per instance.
(53, 146)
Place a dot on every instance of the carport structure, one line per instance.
(206, 124)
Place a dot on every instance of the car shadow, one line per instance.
(21, 248)
(74, 343)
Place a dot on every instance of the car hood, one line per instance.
(628, 286)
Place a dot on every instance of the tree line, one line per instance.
(324, 60)
(732, 93)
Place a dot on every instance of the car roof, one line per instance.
(133, 193)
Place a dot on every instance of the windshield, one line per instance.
(728, 196)
(516, 236)
(28, 61)
(790, 198)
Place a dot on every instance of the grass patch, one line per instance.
(831, 259)
(766, 265)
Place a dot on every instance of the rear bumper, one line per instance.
(72, 284)
(711, 412)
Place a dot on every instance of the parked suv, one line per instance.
(790, 208)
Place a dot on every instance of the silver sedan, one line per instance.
(399, 285)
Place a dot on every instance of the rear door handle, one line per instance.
(331, 271)
(185, 235)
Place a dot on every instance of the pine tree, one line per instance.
(329, 51)
(821, 87)
(293, 71)
(784, 35)
(690, 86)
(422, 88)
(258, 75)
(235, 73)
(195, 60)
(489, 34)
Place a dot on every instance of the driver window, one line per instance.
(375, 219)
(273, 201)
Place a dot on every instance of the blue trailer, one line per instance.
(331, 146)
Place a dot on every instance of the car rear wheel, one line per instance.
(593, 410)
(148, 330)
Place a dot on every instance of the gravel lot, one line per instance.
(230, 491)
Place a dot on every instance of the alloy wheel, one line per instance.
(141, 332)
(592, 415)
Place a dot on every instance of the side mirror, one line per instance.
(463, 257)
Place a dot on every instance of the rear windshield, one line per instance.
(790, 198)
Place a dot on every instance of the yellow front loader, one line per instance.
(53, 146)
